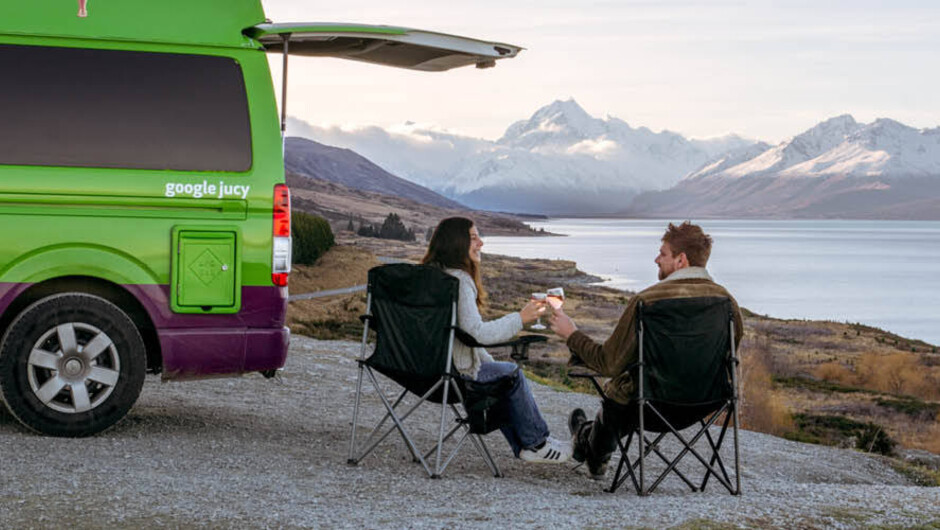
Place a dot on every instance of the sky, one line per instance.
(763, 70)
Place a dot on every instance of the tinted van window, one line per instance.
(120, 109)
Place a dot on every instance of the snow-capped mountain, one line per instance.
(839, 168)
(841, 146)
(561, 160)
(642, 159)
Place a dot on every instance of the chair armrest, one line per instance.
(519, 345)
(588, 374)
(591, 376)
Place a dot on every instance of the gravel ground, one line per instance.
(250, 452)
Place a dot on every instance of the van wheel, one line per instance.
(71, 365)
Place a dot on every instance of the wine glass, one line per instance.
(556, 297)
(539, 297)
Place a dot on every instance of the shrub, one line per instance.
(897, 373)
(312, 237)
(842, 431)
(834, 372)
(761, 408)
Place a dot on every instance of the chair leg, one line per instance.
(737, 454)
(478, 443)
(654, 448)
(355, 423)
(688, 448)
(448, 436)
(400, 425)
(373, 442)
(453, 454)
(487, 457)
(624, 464)
(476, 440)
(640, 441)
(716, 457)
(440, 438)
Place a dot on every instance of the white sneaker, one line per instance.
(552, 452)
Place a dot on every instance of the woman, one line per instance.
(455, 247)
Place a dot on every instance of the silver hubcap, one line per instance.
(73, 367)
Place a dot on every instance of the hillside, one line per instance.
(768, 197)
(341, 204)
(307, 158)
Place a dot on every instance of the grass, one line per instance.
(557, 376)
(913, 407)
(826, 387)
(918, 474)
(328, 329)
(703, 524)
(551, 383)
(847, 516)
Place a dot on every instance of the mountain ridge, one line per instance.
(344, 166)
(560, 160)
(563, 161)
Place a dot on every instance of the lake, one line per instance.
(880, 273)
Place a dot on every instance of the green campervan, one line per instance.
(144, 220)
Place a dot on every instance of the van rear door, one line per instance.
(392, 46)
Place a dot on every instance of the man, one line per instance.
(682, 258)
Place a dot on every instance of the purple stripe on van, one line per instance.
(193, 345)
(201, 352)
(9, 292)
(254, 339)
(262, 307)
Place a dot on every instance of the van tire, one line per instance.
(71, 364)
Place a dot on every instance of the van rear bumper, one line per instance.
(205, 352)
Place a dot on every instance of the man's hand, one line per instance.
(561, 324)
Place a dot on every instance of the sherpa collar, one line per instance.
(689, 273)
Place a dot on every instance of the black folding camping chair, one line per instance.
(685, 375)
(413, 311)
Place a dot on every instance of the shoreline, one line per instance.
(799, 293)
(589, 279)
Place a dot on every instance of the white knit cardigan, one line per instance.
(467, 360)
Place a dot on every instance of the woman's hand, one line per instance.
(561, 324)
(532, 310)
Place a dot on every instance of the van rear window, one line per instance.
(121, 109)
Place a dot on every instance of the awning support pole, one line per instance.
(286, 38)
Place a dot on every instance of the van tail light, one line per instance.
(280, 255)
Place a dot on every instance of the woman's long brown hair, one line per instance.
(450, 249)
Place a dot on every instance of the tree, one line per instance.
(366, 230)
(312, 237)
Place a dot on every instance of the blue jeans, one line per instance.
(526, 428)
